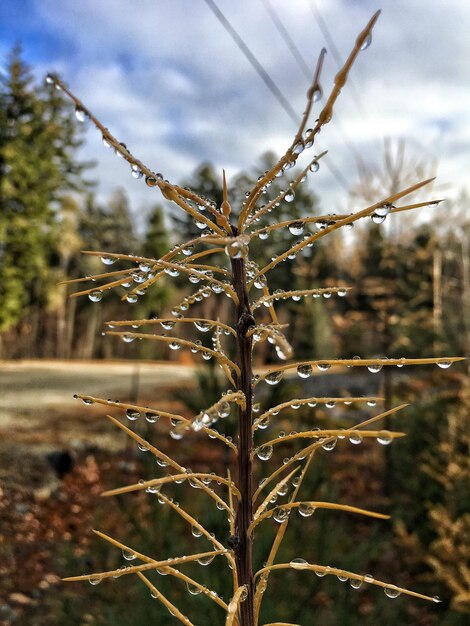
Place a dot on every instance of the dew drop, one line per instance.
(299, 147)
(151, 417)
(289, 196)
(298, 564)
(206, 560)
(383, 210)
(174, 345)
(94, 580)
(342, 578)
(329, 445)
(273, 378)
(314, 167)
(296, 228)
(132, 414)
(95, 296)
(341, 292)
(128, 555)
(377, 219)
(151, 181)
(196, 532)
(355, 583)
(236, 250)
(323, 367)
(50, 80)
(203, 326)
(306, 509)
(304, 371)
(384, 437)
(128, 338)
(280, 515)
(188, 250)
(355, 438)
(368, 578)
(108, 260)
(132, 298)
(392, 592)
(263, 235)
(81, 115)
(264, 453)
(374, 368)
(444, 364)
(367, 41)
(176, 434)
(194, 591)
(136, 171)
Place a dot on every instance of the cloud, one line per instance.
(171, 83)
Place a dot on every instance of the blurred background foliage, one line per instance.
(410, 297)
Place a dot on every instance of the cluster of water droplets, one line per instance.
(381, 213)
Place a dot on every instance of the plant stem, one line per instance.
(244, 544)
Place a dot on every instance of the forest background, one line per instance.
(410, 296)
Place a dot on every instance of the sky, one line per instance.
(167, 80)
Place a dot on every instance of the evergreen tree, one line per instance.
(37, 145)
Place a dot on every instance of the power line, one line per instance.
(287, 38)
(273, 88)
(268, 81)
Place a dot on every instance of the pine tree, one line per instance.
(37, 146)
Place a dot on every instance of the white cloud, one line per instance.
(170, 82)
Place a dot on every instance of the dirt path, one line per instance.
(37, 404)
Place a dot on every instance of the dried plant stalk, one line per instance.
(255, 320)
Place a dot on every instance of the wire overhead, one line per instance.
(265, 77)
(290, 43)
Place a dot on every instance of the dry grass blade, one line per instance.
(182, 342)
(178, 478)
(327, 363)
(133, 569)
(283, 295)
(262, 584)
(333, 571)
(347, 220)
(318, 505)
(169, 191)
(94, 277)
(172, 320)
(314, 446)
(170, 570)
(154, 414)
(312, 402)
(325, 117)
(233, 605)
(273, 492)
(169, 605)
(161, 455)
(319, 434)
(292, 186)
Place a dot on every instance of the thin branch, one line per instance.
(327, 363)
(347, 220)
(317, 505)
(348, 575)
(154, 412)
(162, 320)
(182, 342)
(157, 453)
(169, 191)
